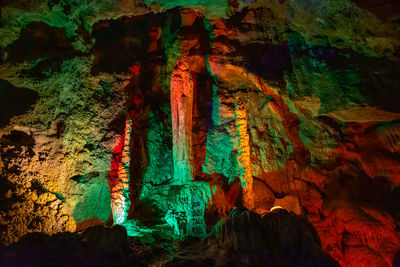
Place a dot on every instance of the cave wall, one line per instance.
(317, 81)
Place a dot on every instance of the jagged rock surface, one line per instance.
(319, 81)
(279, 238)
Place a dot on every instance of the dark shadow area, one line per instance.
(44, 42)
(13, 146)
(358, 79)
(18, 138)
(279, 238)
(354, 186)
(96, 246)
(122, 42)
(14, 101)
(383, 9)
(5, 187)
(245, 239)
(267, 61)
(48, 46)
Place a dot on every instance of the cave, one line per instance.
(210, 133)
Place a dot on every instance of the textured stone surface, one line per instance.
(319, 82)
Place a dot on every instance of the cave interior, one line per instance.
(211, 133)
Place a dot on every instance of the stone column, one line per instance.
(120, 202)
(181, 113)
(244, 152)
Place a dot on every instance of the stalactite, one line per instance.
(120, 202)
(181, 113)
(244, 162)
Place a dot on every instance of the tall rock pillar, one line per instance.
(244, 152)
(181, 112)
(120, 202)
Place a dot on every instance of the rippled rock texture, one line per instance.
(166, 116)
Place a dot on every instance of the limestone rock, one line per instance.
(318, 83)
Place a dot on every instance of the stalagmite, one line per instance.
(244, 162)
(181, 113)
(120, 202)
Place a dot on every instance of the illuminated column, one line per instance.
(181, 113)
(120, 202)
(244, 162)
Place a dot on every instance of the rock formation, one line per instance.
(170, 117)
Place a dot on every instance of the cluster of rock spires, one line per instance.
(165, 116)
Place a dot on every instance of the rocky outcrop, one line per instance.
(279, 238)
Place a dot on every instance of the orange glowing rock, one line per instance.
(244, 162)
(181, 114)
(120, 202)
(188, 16)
